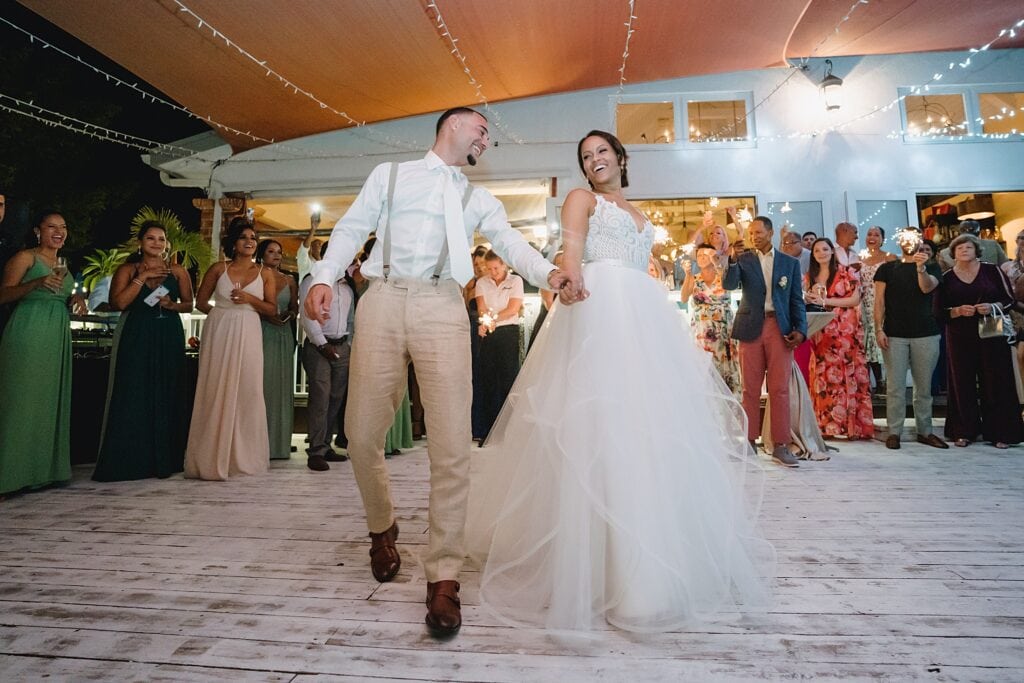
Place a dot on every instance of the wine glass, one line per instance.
(60, 268)
(165, 256)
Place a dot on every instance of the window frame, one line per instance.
(681, 118)
(972, 111)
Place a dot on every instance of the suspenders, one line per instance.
(386, 239)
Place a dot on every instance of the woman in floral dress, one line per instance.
(869, 266)
(840, 389)
(711, 315)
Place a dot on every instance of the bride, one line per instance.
(614, 487)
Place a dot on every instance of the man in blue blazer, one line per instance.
(770, 323)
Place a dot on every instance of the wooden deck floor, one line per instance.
(903, 565)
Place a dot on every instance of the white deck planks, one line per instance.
(901, 565)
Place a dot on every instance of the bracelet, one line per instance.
(137, 281)
(921, 271)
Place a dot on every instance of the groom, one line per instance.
(770, 323)
(424, 212)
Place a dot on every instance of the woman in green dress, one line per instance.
(35, 363)
(279, 353)
(144, 425)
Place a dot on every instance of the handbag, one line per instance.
(995, 324)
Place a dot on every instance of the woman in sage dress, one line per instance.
(229, 420)
(279, 353)
(35, 363)
(144, 426)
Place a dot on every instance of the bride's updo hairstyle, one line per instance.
(235, 229)
(620, 153)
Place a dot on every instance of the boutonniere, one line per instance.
(783, 281)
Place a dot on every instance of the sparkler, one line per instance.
(909, 240)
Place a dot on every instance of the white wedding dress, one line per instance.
(617, 485)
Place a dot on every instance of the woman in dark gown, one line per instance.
(982, 393)
(144, 428)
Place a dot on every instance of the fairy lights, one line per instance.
(446, 33)
(389, 140)
(55, 118)
(625, 50)
(873, 216)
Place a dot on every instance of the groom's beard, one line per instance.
(471, 159)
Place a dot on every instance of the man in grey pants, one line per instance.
(325, 357)
(908, 334)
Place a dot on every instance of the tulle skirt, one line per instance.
(618, 486)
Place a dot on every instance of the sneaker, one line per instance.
(783, 456)
(317, 463)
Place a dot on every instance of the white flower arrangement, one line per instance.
(783, 281)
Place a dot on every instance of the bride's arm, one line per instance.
(579, 204)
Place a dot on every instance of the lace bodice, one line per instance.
(613, 236)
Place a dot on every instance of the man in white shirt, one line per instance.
(325, 357)
(414, 310)
(309, 251)
(846, 237)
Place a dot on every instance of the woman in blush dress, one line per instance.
(840, 388)
(229, 419)
(614, 491)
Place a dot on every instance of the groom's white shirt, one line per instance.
(418, 227)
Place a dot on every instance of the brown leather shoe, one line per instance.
(444, 611)
(932, 440)
(384, 558)
(892, 441)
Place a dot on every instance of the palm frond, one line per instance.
(188, 246)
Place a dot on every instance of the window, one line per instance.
(708, 119)
(717, 120)
(1001, 112)
(646, 123)
(936, 115)
(800, 217)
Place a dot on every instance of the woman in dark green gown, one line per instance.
(35, 363)
(144, 427)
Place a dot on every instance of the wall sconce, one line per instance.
(830, 88)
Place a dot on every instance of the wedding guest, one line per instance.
(982, 393)
(1014, 270)
(228, 435)
(325, 356)
(840, 389)
(547, 300)
(908, 336)
(308, 252)
(846, 237)
(469, 293)
(808, 239)
(144, 425)
(278, 353)
(790, 244)
(410, 312)
(876, 256)
(770, 323)
(35, 362)
(989, 251)
(711, 315)
(499, 298)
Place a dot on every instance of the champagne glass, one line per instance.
(60, 269)
(165, 256)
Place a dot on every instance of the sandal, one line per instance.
(961, 443)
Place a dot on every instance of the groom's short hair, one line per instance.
(767, 222)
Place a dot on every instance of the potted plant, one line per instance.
(100, 264)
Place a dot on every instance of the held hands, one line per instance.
(569, 286)
(983, 309)
(965, 311)
(793, 339)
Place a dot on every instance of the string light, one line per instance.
(389, 140)
(873, 216)
(794, 70)
(91, 129)
(446, 33)
(625, 50)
